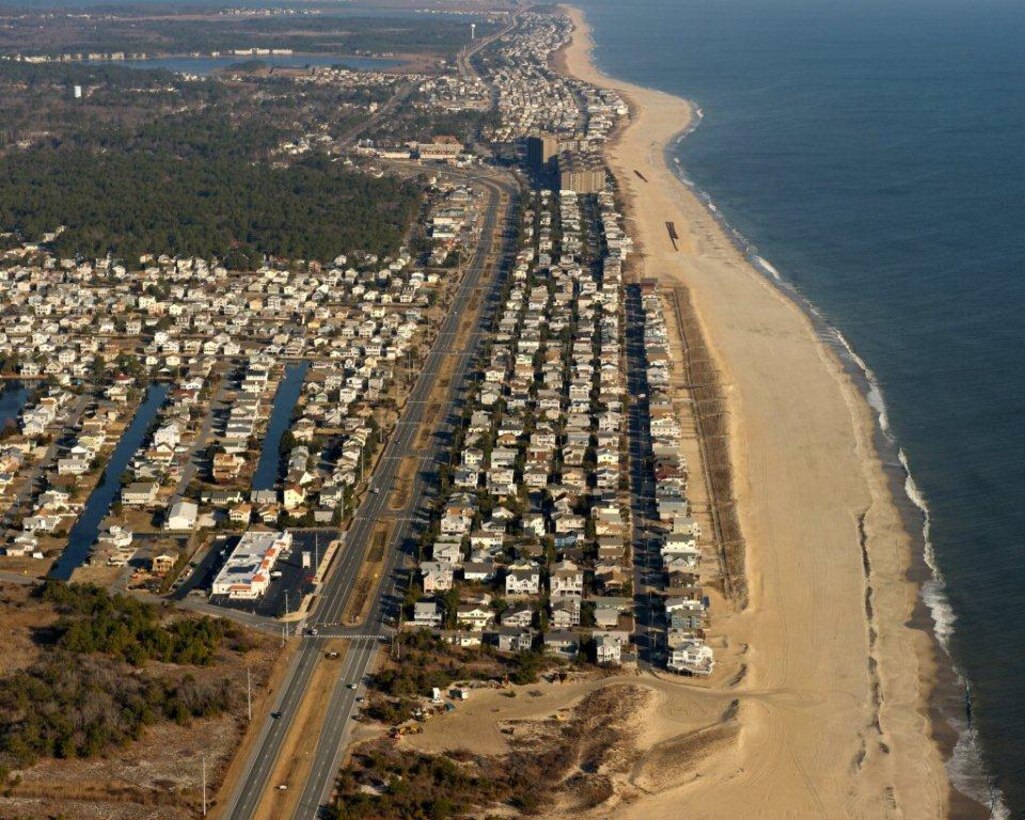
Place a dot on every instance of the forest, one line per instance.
(69, 706)
(215, 205)
(165, 166)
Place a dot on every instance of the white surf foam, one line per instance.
(874, 397)
(966, 767)
(967, 771)
(766, 266)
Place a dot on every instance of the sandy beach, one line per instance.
(833, 709)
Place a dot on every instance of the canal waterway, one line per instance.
(12, 400)
(87, 528)
(285, 398)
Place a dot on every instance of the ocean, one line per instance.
(872, 154)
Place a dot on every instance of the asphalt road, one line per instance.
(465, 57)
(317, 789)
(647, 556)
(326, 612)
(202, 439)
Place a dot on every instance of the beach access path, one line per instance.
(833, 706)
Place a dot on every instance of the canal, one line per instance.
(288, 392)
(87, 528)
(12, 400)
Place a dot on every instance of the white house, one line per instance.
(523, 581)
(182, 516)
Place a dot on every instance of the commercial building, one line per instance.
(445, 149)
(246, 574)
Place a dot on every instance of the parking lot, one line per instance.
(291, 579)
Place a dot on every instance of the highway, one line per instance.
(326, 613)
(465, 58)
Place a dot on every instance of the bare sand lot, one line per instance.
(832, 717)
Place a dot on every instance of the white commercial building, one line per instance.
(246, 574)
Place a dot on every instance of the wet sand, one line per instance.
(834, 717)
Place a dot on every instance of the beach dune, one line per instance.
(833, 708)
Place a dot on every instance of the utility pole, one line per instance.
(286, 602)
(395, 641)
(249, 694)
(204, 785)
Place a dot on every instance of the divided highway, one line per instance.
(485, 270)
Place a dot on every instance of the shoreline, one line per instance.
(894, 736)
(948, 693)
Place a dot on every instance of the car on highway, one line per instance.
(331, 655)
(351, 685)
(275, 715)
(375, 490)
(312, 632)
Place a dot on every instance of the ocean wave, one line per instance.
(766, 266)
(965, 768)
(967, 771)
(934, 591)
(874, 396)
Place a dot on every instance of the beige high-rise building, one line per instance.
(582, 173)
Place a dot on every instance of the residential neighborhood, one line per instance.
(411, 482)
(209, 400)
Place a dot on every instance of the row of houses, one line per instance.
(35, 421)
(686, 606)
(536, 513)
(532, 96)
